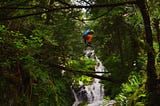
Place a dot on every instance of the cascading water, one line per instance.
(93, 93)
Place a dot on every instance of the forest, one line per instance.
(42, 57)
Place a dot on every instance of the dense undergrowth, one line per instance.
(25, 81)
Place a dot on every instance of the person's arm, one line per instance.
(84, 40)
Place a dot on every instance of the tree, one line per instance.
(49, 34)
(27, 49)
(151, 72)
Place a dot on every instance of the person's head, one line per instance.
(91, 32)
(88, 31)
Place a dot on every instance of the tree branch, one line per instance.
(100, 15)
(62, 2)
(85, 73)
(22, 8)
(68, 7)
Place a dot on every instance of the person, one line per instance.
(87, 36)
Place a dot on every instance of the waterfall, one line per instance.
(76, 98)
(93, 93)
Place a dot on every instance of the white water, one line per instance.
(95, 91)
(76, 99)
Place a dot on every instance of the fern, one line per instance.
(132, 91)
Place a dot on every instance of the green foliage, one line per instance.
(110, 63)
(30, 45)
(132, 92)
(84, 65)
(83, 104)
(23, 74)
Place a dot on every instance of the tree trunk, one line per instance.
(151, 84)
(120, 41)
(49, 14)
(156, 24)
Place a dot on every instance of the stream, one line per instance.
(94, 93)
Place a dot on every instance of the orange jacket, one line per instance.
(88, 38)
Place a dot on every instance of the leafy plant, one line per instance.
(133, 92)
(84, 65)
